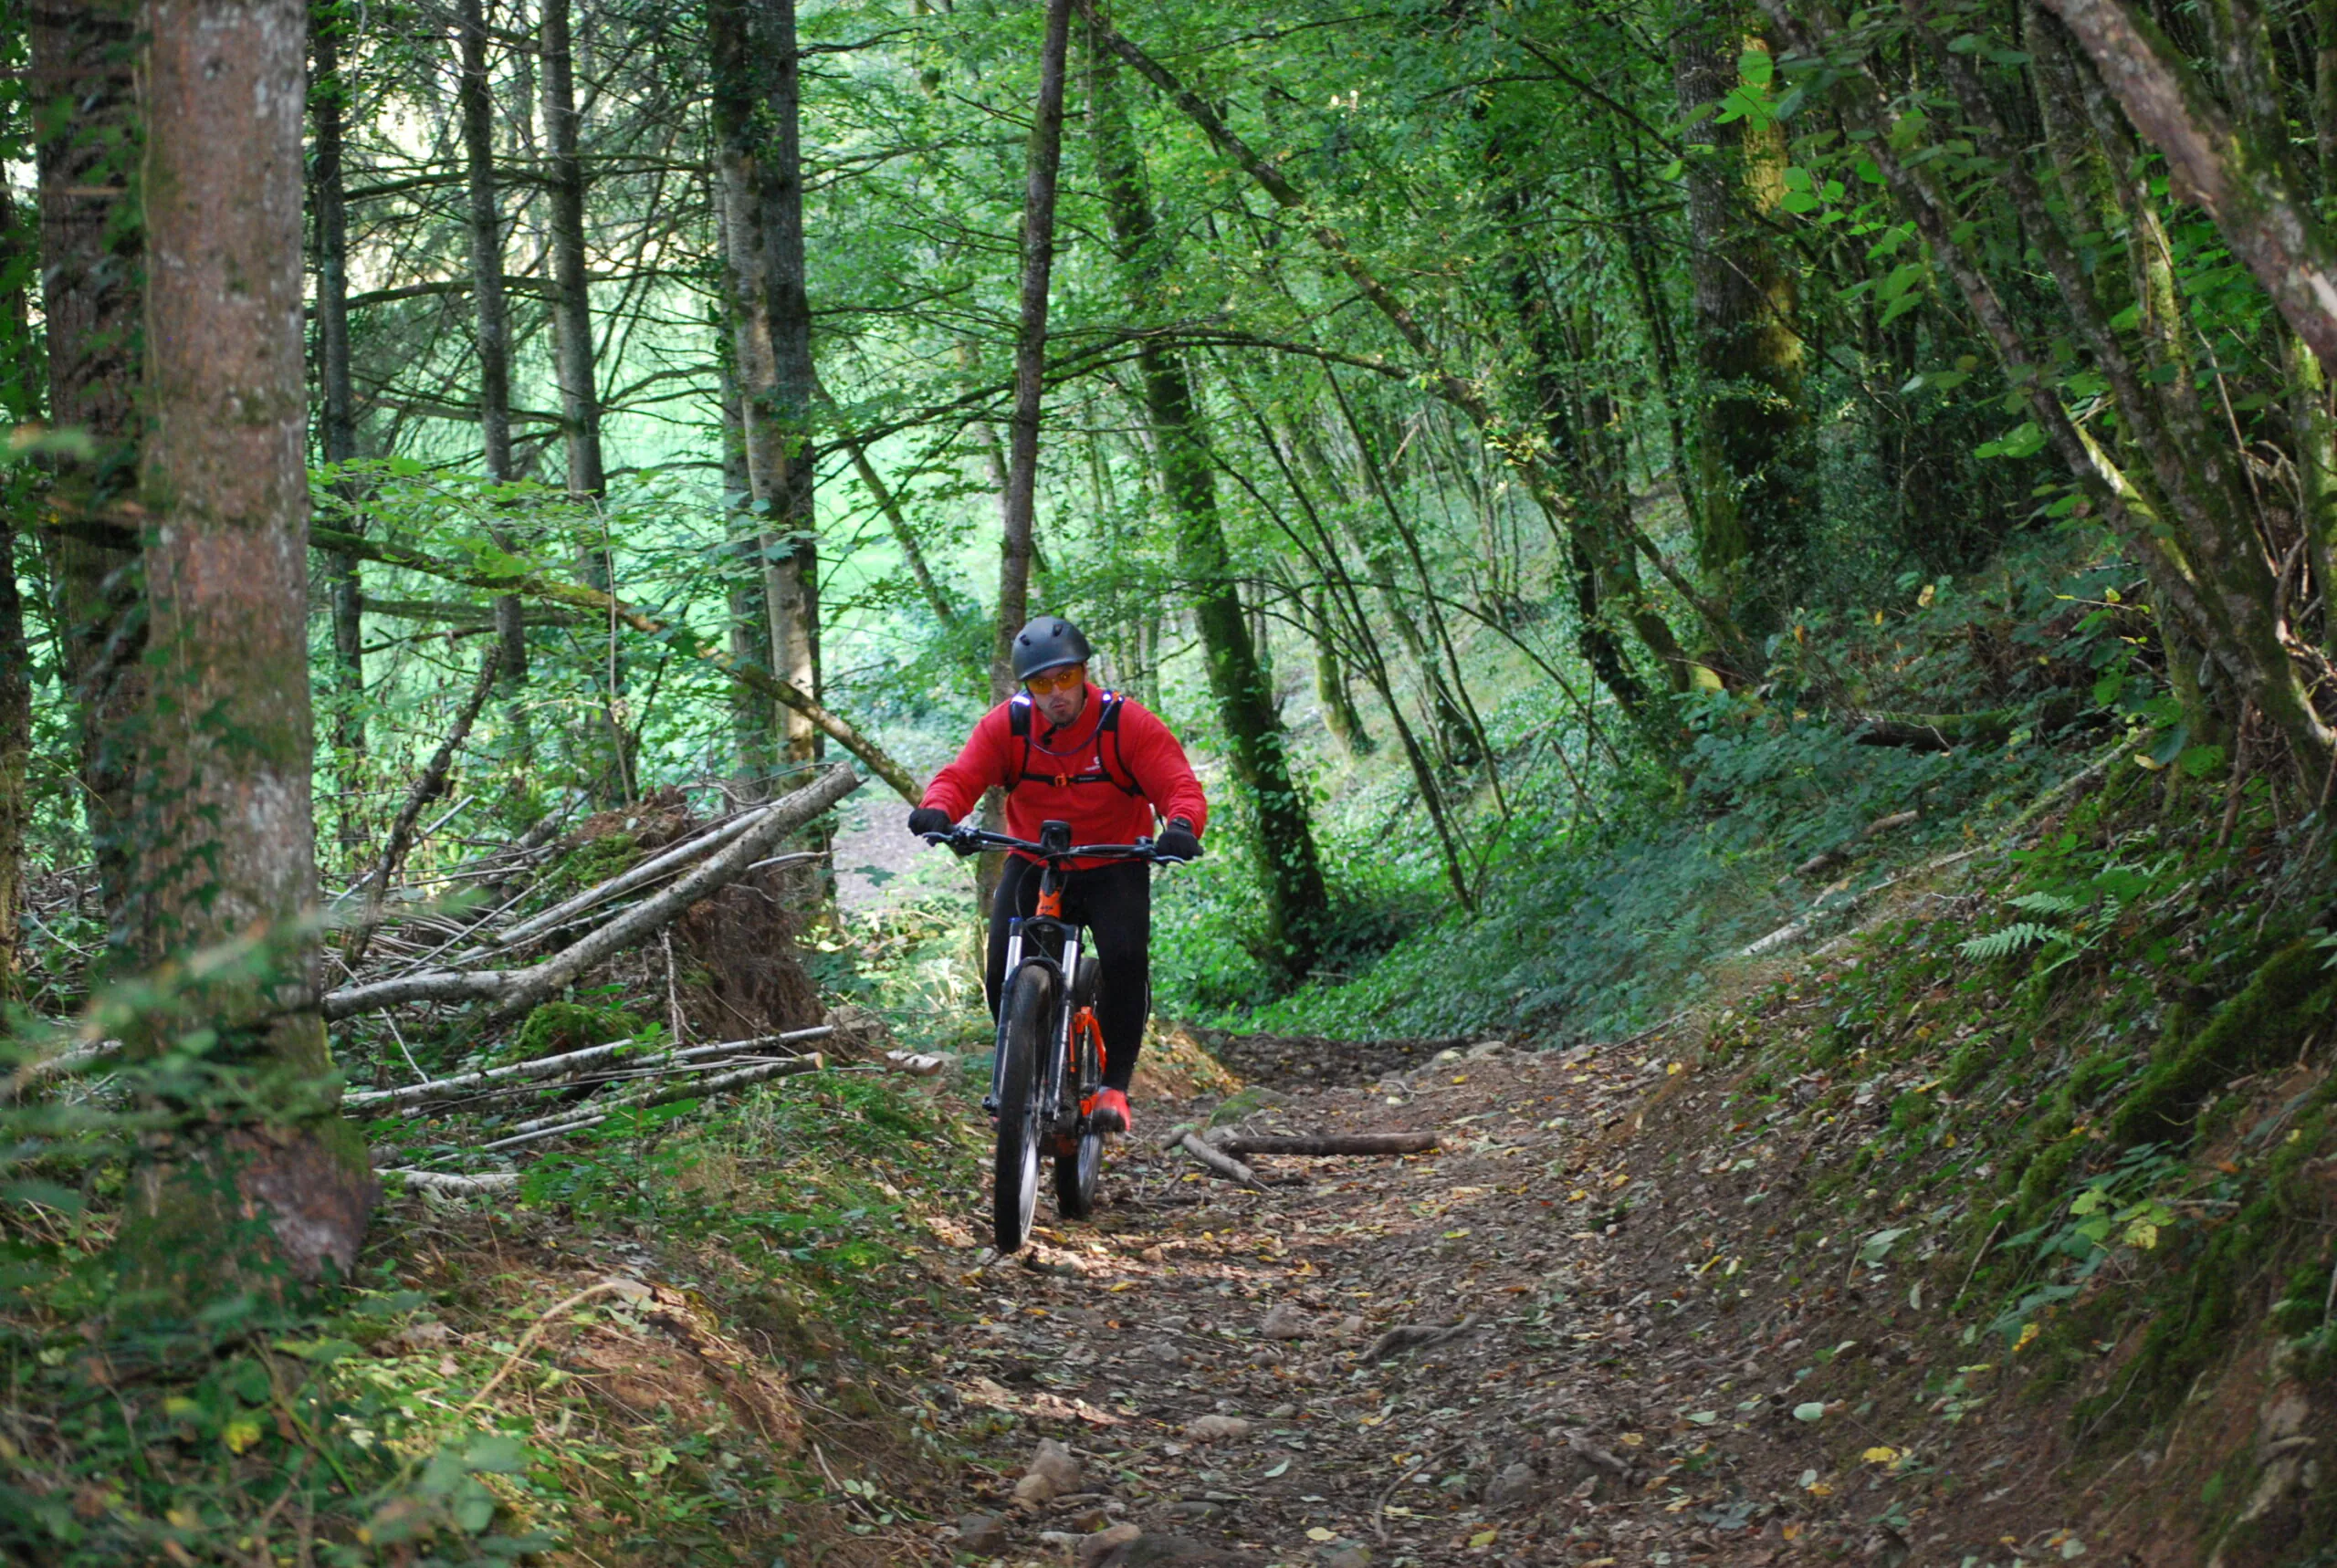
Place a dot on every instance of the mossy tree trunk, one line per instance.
(1752, 438)
(85, 114)
(262, 1168)
(1297, 906)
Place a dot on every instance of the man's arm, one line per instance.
(958, 788)
(1156, 762)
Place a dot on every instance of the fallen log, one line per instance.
(568, 1064)
(698, 845)
(1343, 1144)
(509, 991)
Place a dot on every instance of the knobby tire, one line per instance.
(1014, 1186)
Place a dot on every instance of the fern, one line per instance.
(2047, 904)
(2020, 934)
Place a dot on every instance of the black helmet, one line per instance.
(1048, 643)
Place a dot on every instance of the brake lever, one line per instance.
(964, 843)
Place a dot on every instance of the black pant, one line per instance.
(1115, 902)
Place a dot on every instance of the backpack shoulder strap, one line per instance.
(1110, 724)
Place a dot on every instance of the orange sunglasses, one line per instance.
(1062, 680)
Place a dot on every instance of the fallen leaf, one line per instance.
(1317, 1532)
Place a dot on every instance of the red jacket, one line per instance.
(1107, 785)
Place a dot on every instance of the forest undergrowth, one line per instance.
(2014, 1144)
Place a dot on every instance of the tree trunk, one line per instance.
(1041, 164)
(746, 169)
(328, 96)
(1340, 715)
(795, 605)
(492, 314)
(228, 849)
(574, 368)
(20, 402)
(82, 62)
(1297, 906)
(753, 730)
(579, 401)
(1753, 440)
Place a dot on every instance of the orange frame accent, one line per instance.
(1051, 904)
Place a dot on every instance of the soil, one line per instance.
(1629, 1359)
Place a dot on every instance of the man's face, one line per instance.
(1059, 694)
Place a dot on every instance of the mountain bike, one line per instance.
(1048, 1063)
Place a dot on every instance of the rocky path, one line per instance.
(1476, 1355)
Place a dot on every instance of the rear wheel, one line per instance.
(1014, 1187)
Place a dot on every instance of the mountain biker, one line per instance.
(1065, 750)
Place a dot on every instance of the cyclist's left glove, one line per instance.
(1178, 842)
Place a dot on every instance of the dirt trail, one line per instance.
(1570, 1421)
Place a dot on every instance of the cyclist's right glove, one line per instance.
(1178, 842)
(929, 820)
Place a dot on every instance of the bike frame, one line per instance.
(1046, 939)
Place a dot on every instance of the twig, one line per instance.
(1405, 1472)
(536, 1332)
(677, 1025)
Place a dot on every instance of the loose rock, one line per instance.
(1516, 1484)
(1103, 1544)
(983, 1535)
(1217, 1429)
(1285, 1322)
(1052, 1471)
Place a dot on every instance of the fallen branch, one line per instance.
(506, 991)
(1405, 1338)
(445, 1181)
(568, 1064)
(1217, 1163)
(673, 1090)
(698, 845)
(428, 787)
(915, 1064)
(1827, 859)
(1346, 1143)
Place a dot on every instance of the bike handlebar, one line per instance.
(973, 841)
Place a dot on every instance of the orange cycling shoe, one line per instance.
(1111, 1113)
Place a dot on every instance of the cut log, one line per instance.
(1346, 1144)
(510, 991)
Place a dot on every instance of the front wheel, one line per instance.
(1021, 1044)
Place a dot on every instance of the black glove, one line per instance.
(1178, 842)
(929, 820)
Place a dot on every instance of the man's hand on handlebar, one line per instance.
(1177, 843)
(927, 821)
